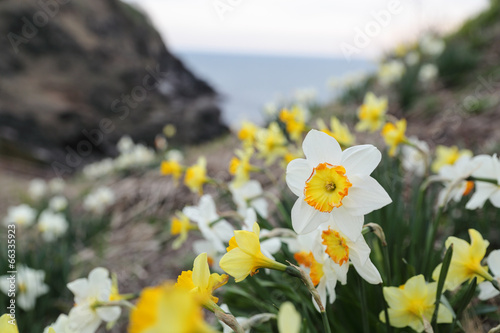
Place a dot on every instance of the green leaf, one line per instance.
(466, 298)
(442, 278)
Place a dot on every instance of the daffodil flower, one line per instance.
(486, 289)
(271, 143)
(334, 184)
(294, 121)
(337, 130)
(247, 133)
(371, 113)
(394, 135)
(171, 167)
(200, 282)
(87, 315)
(29, 286)
(167, 308)
(61, 325)
(213, 228)
(489, 168)
(413, 304)
(240, 166)
(415, 156)
(196, 176)
(448, 156)
(454, 180)
(390, 72)
(181, 226)
(249, 194)
(244, 256)
(466, 261)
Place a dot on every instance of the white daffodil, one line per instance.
(37, 189)
(432, 45)
(52, 225)
(454, 180)
(343, 251)
(486, 289)
(61, 325)
(86, 315)
(22, 215)
(415, 160)
(212, 226)
(99, 200)
(99, 169)
(29, 286)
(489, 168)
(334, 185)
(250, 194)
(58, 203)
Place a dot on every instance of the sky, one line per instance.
(324, 28)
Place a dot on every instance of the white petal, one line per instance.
(271, 245)
(482, 193)
(260, 205)
(487, 291)
(367, 271)
(494, 262)
(348, 224)
(297, 172)
(495, 198)
(79, 288)
(486, 167)
(319, 148)
(109, 313)
(83, 320)
(193, 213)
(360, 159)
(305, 218)
(359, 249)
(365, 196)
(223, 230)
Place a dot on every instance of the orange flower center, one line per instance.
(336, 246)
(326, 187)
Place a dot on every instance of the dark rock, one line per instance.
(67, 66)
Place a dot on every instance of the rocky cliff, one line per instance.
(74, 72)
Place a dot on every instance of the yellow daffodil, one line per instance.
(167, 309)
(247, 133)
(394, 135)
(339, 131)
(291, 155)
(413, 304)
(180, 225)
(448, 156)
(288, 319)
(8, 324)
(240, 166)
(294, 120)
(271, 143)
(466, 261)
(200, 282)
(244, 256)
(196, 176)
(171, 167)
(372, 113)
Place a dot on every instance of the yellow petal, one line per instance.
(201, 271)
(7, 324)
(288, 319)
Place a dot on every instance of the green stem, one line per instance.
(387, 264)
(430, 239)
(486, 180)
(326, 324)
(364, 307)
